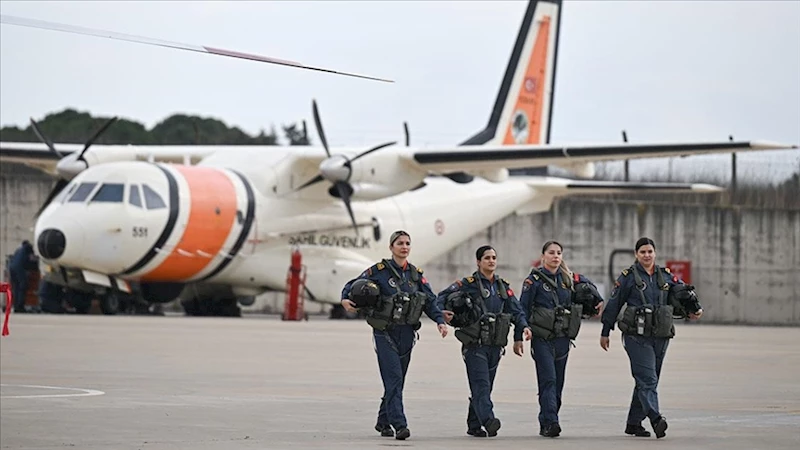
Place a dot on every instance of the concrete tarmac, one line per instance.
(121, 382)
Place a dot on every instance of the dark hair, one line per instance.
(396, 235)
(549, 243)
(481, 250)
(645, 241)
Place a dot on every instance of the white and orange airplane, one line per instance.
(193, 219)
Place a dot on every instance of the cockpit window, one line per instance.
(65, 193)
(152, 199)
(134, 197)
(110, 193)
(82, 192)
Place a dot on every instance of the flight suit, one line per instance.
(21, 262)
(482, 360)
(549, 355)
(646, 353)
(393, 346)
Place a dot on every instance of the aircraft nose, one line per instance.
(51, 243)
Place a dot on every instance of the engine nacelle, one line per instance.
(493, 175)
(372, 191)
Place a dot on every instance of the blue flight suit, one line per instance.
(482, 360)
(393, 346)
(549, 355)
(21, 262)
(646, 353)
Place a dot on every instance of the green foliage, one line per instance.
(75, 127)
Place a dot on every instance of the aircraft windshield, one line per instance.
(83, 191)
(110, 193)
(134, 197)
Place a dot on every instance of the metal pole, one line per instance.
(625, 139)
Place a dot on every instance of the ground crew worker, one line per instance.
(405, 294)
(646, 326)
(555, 317)
(21, 263)
(494, 303)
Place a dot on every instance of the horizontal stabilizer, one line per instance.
(552, 187)
(571, 187)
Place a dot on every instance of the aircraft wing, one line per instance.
(487, 157)
(37, 154)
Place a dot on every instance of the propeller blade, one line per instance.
(408, 138)
(60, 184)
(96, 135)
(320, 131)
(44, 138)
(377, 147)
(54, 26)
(344, 194)
(314, 180)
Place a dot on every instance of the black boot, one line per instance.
(552, 430)
(636, 430)
(491, 426)
(385, 430)
(402, 434)
(477, 433)
(659, 426)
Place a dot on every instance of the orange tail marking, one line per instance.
(526, 121)
(213, 209)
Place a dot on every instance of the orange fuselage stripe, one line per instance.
(530, 98)
(211, 216)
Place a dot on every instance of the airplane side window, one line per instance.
(152, 199)
(134, 198)
(110, 193)
(82, 192)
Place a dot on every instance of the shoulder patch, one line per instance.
(504, 280)
(526, 284)
(536, 277)
(419, 269)
(666, 269)
(470, 279)
(380, 266)
(625, 272)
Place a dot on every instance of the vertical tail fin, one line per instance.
(523, 108)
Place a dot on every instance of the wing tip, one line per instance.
(770, 145)
(706, 188)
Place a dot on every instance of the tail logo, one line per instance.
(530, 84)
(519, 127)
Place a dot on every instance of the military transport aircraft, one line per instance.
(186, 219)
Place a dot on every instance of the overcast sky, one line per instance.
(665, 71)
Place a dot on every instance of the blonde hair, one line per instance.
(567, 274)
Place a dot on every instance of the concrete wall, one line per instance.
(745, 262)
(22, 191)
